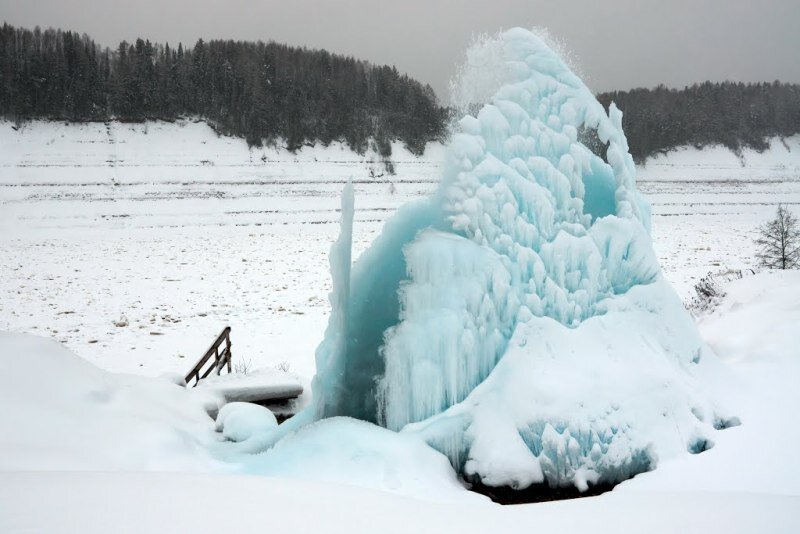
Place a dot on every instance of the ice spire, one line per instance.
(517, 319)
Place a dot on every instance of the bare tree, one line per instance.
(779, 241)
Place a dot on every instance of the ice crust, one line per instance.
(517, 320)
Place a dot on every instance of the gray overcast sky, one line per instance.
(617, 44)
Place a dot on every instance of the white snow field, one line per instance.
(707, 204)
(135, 503)
(183, 248)
(179, 232)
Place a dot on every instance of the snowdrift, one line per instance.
(59, 412)
(517, 320)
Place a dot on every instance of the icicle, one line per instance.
(331, 360)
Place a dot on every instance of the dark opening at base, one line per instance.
(536, 493)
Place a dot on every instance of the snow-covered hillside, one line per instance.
(183, 232)
(176, 174)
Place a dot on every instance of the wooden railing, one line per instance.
(221, 358)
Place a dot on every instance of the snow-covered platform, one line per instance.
(272, 388)
(256, 386)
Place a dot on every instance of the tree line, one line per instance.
(269, 92)
(264, 92)
(736, 115)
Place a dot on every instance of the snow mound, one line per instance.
(518, 319)
(346, 451)
(240, 421)
(757, 319)
(59, 412)
(753, 330)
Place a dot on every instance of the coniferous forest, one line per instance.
(260, 91)
(268, 92)
(736, 115)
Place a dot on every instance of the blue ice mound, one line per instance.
(517, 320)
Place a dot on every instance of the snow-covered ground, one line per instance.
(182, 232)
(178, 232)
(85, 451)
(102, 502)
(707, 204)
(754, 332)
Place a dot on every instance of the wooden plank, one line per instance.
(219, 362)
(230, 355)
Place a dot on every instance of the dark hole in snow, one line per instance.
(699, 445)
(721, 423)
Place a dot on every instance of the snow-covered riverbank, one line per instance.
(182, 232)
